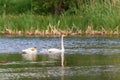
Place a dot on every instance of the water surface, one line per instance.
(86, 58)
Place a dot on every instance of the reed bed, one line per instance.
(51, 26)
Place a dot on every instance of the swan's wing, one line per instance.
(54, 50)
(51, 50)
(44, 51)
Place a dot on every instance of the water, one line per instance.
(86, 58)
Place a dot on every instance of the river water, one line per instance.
(85, 58)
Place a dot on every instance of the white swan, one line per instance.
(30, 53)
(54, 50)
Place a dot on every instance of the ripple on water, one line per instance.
(13, 68)
(11, 73)
(72, 45)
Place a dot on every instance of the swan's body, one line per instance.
(54, 50)
(30, 53)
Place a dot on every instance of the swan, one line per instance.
(54, 50)
(30, 53)
(62, 50)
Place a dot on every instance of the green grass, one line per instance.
(97, 15)
(26, 22)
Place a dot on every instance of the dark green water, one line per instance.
(93, 58)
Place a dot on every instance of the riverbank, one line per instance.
(88, 18)
(57, 32)
(27, 24)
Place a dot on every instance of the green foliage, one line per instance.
(55, 6)
(78, 14)
(14, 6)
(101, 15)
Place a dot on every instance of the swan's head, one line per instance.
(29, 54)
(32, 50)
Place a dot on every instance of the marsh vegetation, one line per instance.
(74, 17)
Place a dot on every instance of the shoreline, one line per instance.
(56, 33)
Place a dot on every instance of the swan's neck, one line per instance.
(62, 44)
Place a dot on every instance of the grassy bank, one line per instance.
(94, 19)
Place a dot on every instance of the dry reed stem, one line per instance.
(89, 30)
(116, 31)
(53, 31)
(18, 32)
(8, 31)
(37, 32)
(103, 31)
